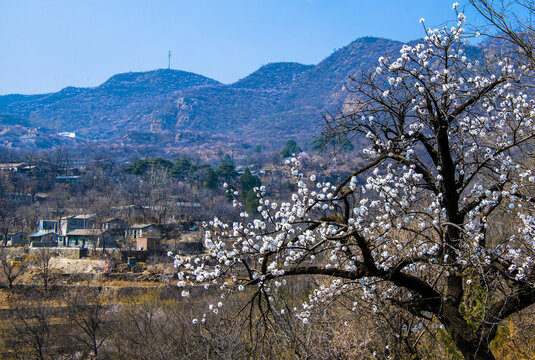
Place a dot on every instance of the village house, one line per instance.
(148, 243)
(70, 223)
(44, 238)
(12, 239)
(113, 224)
(30, 170)
(83, 230)
(16, 238)
(89, 238)
(86, 231)
(139, 230)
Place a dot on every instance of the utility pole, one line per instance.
(169, 64)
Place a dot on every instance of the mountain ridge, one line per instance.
(277, 101)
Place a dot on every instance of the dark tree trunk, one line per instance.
(469, 344)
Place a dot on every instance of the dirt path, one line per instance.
(77, 266)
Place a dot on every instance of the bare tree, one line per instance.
(510, 20)
(32, 329)
(86, 314)
(58, 202)
(156, 186)
(8, 219)
(11, 267)
(145, 330)
(44, 265)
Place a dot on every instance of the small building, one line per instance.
(68, 179)
(186, 204)
(140, 230)
(89, 238)
(113, 224)
(47, 225)
(30, 170)
(68, 134)
(16, 238)
(46, 238)
(148, 243)
(12, 239)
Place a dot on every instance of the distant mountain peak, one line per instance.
(157, 76)
(273, 75)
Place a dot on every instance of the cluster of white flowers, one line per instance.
(402, 217)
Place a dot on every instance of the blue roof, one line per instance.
(40, 233)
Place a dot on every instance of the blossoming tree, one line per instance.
(420, 224)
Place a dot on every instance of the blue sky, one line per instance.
(47, 45)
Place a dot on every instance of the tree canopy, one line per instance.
(226, 171)
(182, 168)
(141, 166)
(248, 183)
(290, 148)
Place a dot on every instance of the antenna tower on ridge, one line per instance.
(169, 64)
